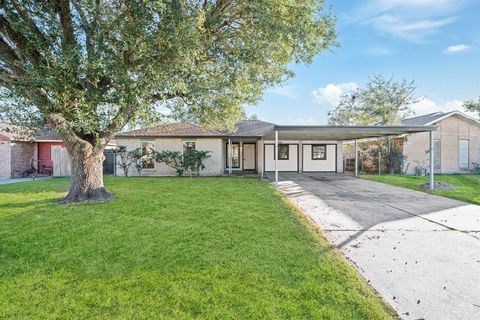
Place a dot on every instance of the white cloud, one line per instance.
(457, 48)
(413, 20)
(408, 28)
(426, 106)
(382, 5)
(331, 93)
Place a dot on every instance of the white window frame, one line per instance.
(188, 141)
(154, 147)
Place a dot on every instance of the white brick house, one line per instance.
(251, 147)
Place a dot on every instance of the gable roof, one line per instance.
(431, 118)
(179, 129)
(423, 119)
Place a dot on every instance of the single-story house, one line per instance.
(456, 142)
(20, 154)
(255, 146)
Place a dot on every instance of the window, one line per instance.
(319, 152)
(148, 162)
(437, 154)
(283, 151)
(463, 154)
(189, 146)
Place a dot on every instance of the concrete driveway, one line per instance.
(419, 251)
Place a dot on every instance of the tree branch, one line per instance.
(20, 41)
(65, 15)
(10, 58)
(86, 27)
(22, 12)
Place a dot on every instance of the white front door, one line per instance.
(248, 156)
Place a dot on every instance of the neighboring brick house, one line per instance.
(456, 142)
(19, 154)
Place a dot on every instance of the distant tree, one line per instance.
(383, 102)
(253, 117)
(89, 68)
(473, 106)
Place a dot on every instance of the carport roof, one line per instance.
(289, 132)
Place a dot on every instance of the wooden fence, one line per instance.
(62, 166)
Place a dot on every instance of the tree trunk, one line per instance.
(87, 174)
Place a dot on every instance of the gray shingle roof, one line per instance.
(245, 128)
(16, 133)
(425, 119)
(179, 129)
(252, 128)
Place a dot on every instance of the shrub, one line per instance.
(191, 161)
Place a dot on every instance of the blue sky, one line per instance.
(436, 43)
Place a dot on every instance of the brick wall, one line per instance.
(213, 165)
(22, 154)
(450, 131)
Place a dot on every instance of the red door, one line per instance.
(45, 163)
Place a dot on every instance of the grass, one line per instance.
(171, 248)
(466, 187)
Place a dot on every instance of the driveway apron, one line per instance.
(421, 252)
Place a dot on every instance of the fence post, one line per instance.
(379, 163)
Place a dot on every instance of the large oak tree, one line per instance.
(90, 67)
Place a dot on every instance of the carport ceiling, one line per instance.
(341, 132)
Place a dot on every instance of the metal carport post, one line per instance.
(275, 155)
(432, 174)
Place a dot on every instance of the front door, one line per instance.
(249, 156)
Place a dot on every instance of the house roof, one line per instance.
(252, 128)
(257, 128)
(289, 132)
(179, 129)
(424, 119)
(431, 118)
(16, 133)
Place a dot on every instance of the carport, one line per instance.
(344, 133)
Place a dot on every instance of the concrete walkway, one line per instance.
(16, 180)
(419, 251)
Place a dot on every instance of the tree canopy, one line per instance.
(473, 106)
(384, 101)
(89, 67)
(93, 66)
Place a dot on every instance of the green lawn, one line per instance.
(466, 187)
(171, 248)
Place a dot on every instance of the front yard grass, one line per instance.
(171, 248)
(466, 187)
